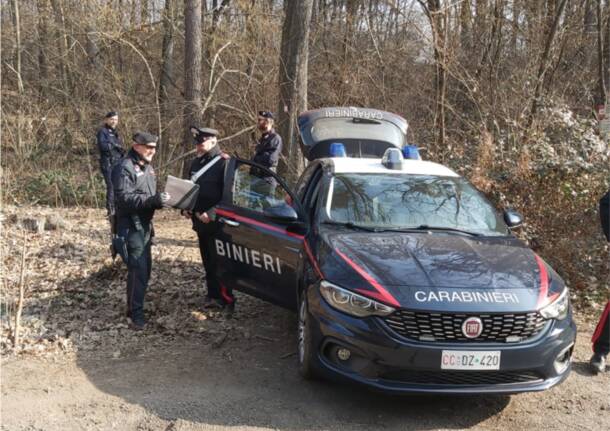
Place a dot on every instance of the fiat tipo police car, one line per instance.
(404, 276)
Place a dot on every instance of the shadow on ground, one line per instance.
(205, 369)
(583, 368)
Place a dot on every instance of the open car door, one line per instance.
(259, 240)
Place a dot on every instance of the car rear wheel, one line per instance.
(306, 354)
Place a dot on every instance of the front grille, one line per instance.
(497, 328)
(461, 377)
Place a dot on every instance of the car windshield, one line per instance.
(395, 201)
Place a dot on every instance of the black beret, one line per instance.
(144, 138)
(202, 132)
(265, 114)
(111, 114)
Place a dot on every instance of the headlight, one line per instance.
(558, 309)
(352, 303)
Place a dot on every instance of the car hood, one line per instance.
(437, 271)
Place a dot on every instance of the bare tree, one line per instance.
(437, 15)
(63, 45)
(192, 69)
(600, 95)
(293, 79)
(166, 78)
(17, 25)
(43, 42)
(554, 20)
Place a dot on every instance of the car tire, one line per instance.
(306, 352)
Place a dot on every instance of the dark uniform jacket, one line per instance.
(135, 191)
(604, 212)
(110, 146)
(211, 184)
(267, 152)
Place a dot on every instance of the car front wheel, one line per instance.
(305, 349)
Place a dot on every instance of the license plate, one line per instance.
(470, 360)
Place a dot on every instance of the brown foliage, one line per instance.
(479, 82)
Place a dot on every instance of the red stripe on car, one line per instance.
(312, 259)
(544, 282)
(249, 220)
(381, 294)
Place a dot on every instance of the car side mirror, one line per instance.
(281, 213)
(512, 218)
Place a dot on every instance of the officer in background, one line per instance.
(136, 199)
(111, 151)
(208, 171)
(601, 336)
(267, 153)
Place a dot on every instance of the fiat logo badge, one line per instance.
(472, 327)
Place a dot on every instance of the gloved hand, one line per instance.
(160, 199)
(165, 197)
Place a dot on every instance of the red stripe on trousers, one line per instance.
(600, 325)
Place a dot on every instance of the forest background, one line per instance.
(508, 93)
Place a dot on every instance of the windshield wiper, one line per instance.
(351, 225)
(425, 227)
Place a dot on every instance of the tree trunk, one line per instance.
(43, 45)
(600, 94)
(606, 43)
(293, 82)
(544, 63)
(192, 70)
(144, 12)
(210, 49)
(437, 16)
(96, 90)
(465, 26)
(167, 67)
(514, 36)
(17, 25)
(63, 46)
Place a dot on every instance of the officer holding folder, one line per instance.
(136, 199)
(207, 170)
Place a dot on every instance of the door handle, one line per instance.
(228, 222)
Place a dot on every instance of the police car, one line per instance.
(404, 276)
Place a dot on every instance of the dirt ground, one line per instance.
(79, 367)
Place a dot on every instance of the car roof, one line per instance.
(345, 165)
(352, 112)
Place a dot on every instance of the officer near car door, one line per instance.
(136, 199)
(111, 151)
(266, 153)
(208, 171)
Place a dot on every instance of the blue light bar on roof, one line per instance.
(337, 149)
(411, 152)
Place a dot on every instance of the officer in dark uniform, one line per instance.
(601, 336)
(111, 151)
(267, 153)
(211, 182)
(136, 199)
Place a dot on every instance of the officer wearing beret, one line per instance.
(136, 199)
(267, 151)
(111, 151)
(203, 216)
